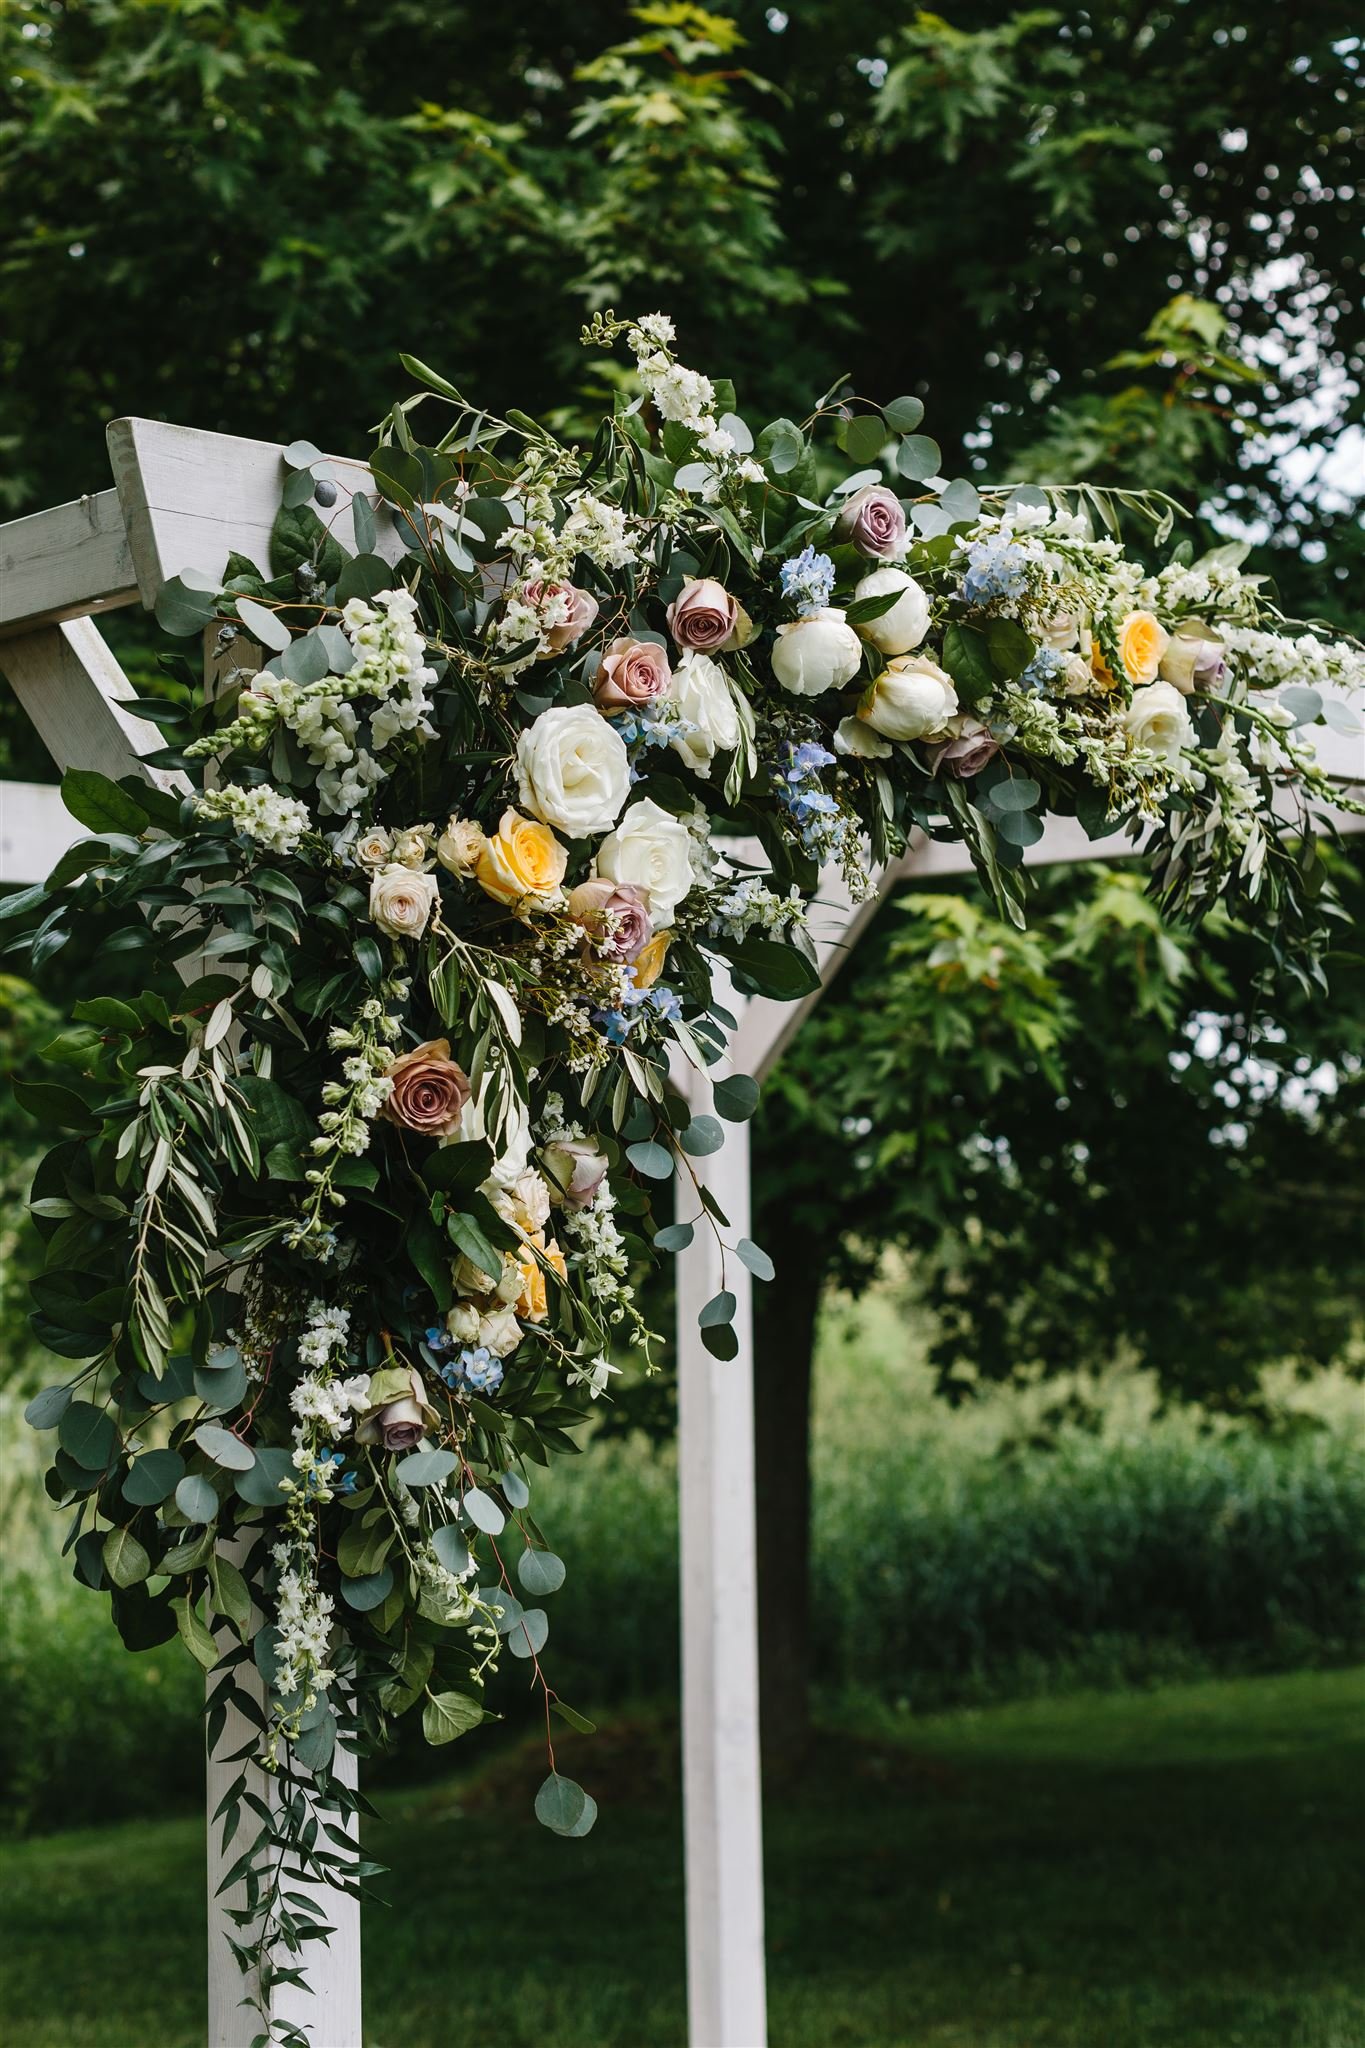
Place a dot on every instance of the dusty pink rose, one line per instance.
(582, 610)
(874, 521)
(703, 615)
(971, 746)
(402, 1414)
(591, 903)
(631, 672)
(429, 1090)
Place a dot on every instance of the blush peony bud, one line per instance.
(816, 654)
(912, 699)
(900, 629)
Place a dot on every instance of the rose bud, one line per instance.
(400, 1414)
(970, 746)
(576, 1169)
(1194, 658)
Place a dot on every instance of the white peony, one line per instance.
(573, 770)
(912, 699)
(653, 849)
(1157, 719)
(905, 624)
(710, 721)
(816, 654)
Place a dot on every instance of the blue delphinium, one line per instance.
(796, 779)
(808, 581)
(1047, 664)
(996, 570)
(474, 1371)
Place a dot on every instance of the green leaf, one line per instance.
(196, 1498)
(88, 1435)
(967, 660)
(484, 1512)
(564, 1807)
(299, 536)
(153, 1478)
(1011, 648)
(364, 576)
(451, 1548)
(650, 1158)
(363, 524)
(185, 606)
(260, 1487)
(125, 1560)
(573, 1717)
(46, 1410)
(368, 957)
(529, 1633)
(767, 967)
(540, 1571)
(719, 1309)
(100, 804)
(1020, 828)
(863, 437)
(224, 1448)
(465, 1232)
(780, 447)
(674, 1237)
(918, 457)
(51, 1103)
(720, 1340)
(363, 1594)
(362, 1550)
(194, 1635)
(755, 1258)
(447, 1715)
(903, 415)
(427, 1468)
(231, 1594)
(702, 1136)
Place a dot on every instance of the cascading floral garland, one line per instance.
(358, 1159)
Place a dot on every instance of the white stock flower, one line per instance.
(573, 770)
(1157, 720)
(816, 654)
(653, 849)
(911, 699)
(905, 624)
(710, 720)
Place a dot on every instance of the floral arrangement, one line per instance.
(360, 1160)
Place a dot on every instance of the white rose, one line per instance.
(373, 848)
(500, 1333)
(412, 848)
(401, 902)
(1157, 719)
(912, 699)
(459, 847)
(906, 623)
(653, 849)
(573, 770)
(815, 654)
(710, 720)
(1060, 632)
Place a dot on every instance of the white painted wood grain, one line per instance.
(35, 830)
(722, 1812)
(74, 691)
(64, 563)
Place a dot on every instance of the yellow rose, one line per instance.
(1100, 669)
(648, 964)
(533, 1303)
(1142, 642)
(523, 863)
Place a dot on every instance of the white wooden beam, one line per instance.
(74, 692)
(63, 563)
(191, 499)
(722, 1812)
(35, 830)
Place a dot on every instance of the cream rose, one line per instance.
(904, 625)
(816, 654)
(523, 863)
(460, 847)
(651, 848)
(1157, 719)
(577, 1169)
(374, 848)
(1142, 642)
(710, 721)
(573, 770)
(413, 847)
(1194, 658)
(912, 699)
(500, 1332)
(401, 902)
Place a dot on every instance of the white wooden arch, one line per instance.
(184, 500)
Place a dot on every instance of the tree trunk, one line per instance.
(784, 1339)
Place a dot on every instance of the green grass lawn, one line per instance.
(1174, 1869)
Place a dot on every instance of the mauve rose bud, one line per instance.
(591, 904)
(874, 520)
(632, 672)
(703, 615)
(429, 1090)
(1193, 659)
(971, 746)
(400, 1425)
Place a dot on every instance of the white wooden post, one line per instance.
(722, 1813)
